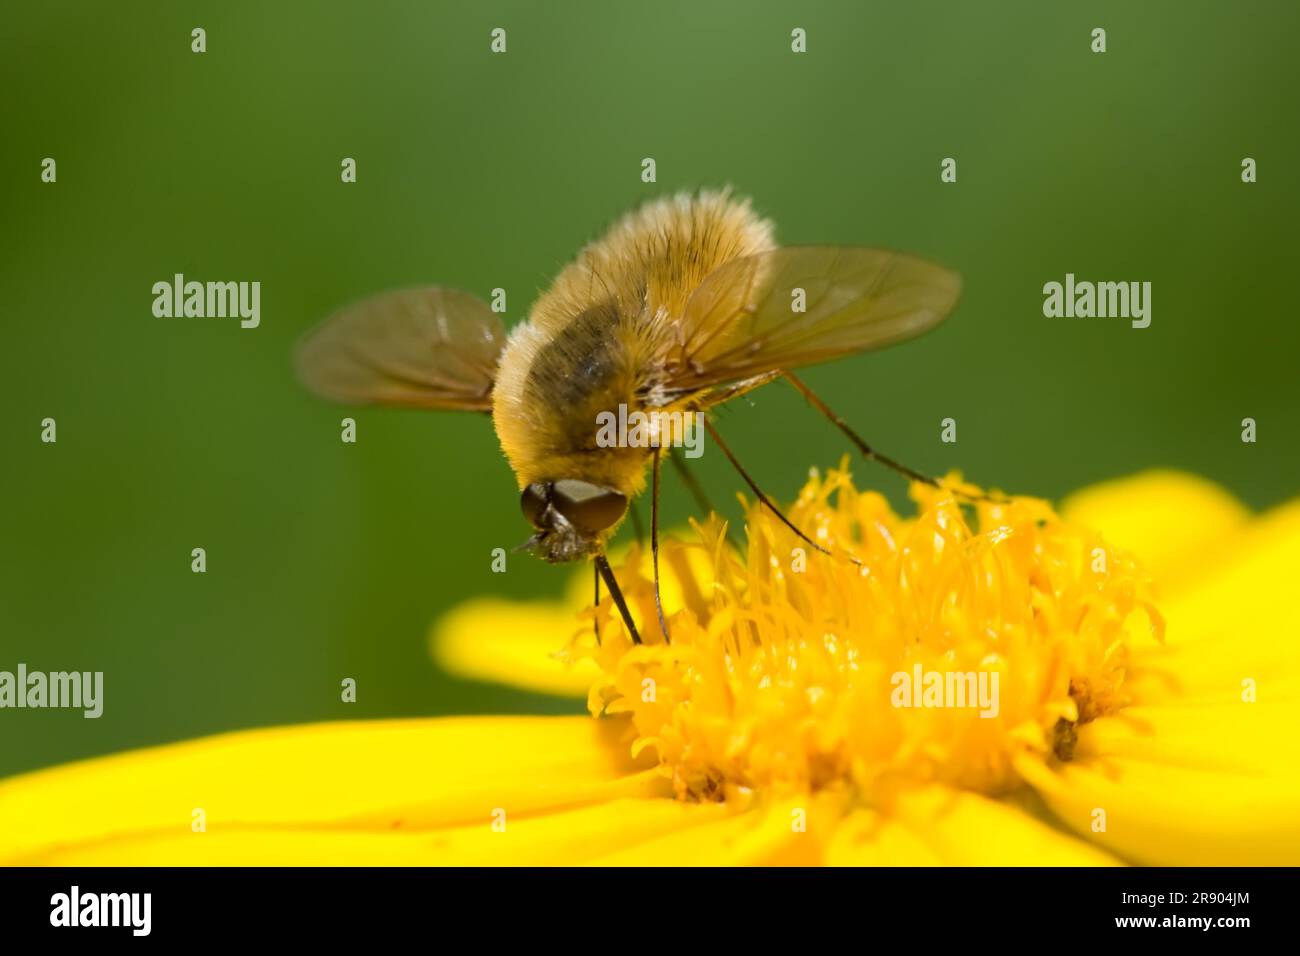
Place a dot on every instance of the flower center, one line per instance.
(933, 648)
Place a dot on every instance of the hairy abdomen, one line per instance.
(595, 340)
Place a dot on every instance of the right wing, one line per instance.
(418, 348)
(740, 322)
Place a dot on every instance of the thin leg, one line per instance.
(654, 544)
(611, 583)
(595, 621)
(853, 436)
(867, 450)
(767, 502)
(711, 399)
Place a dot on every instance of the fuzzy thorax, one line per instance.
(598, 338)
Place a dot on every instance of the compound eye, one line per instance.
(533, 502)
(587, 507)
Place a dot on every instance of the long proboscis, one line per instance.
(611, 585)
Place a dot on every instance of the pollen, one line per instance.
(933, 648)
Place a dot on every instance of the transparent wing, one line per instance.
(744, 318)
(419, 348)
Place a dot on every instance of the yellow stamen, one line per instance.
(951, 648)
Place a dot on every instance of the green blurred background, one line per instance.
(328, 560)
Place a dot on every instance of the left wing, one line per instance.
(418, 348)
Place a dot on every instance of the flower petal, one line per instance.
(1185, 785)
(962, 828)
(521, 643)
(542, 839)
(358, 776)
(869, 838)
(1171, 520)
(789, 832)
(1204, 769)
(1247, 601)
(514, 643)
(931, 826)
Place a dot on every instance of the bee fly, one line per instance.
(682, 305)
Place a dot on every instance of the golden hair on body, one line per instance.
(682, 304)
(601, 335)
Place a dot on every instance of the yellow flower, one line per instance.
(796, 717)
